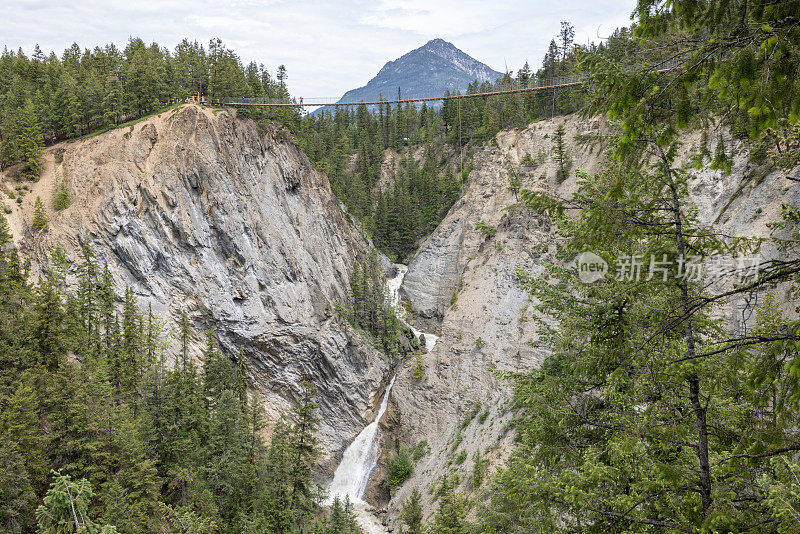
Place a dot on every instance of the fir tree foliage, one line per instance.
(138, 446)
(52, 97)
(561, 156)
(39, 222)
(61, 198)
(652, 412)
(371, 309)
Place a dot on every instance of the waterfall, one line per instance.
(393, 286)
(359, 459)
(361, 456)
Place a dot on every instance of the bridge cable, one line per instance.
(460, 145)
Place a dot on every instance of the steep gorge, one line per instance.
(201, 212)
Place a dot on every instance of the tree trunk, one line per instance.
(693, 379)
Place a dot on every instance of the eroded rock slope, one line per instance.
(201, 212)
(462, 282)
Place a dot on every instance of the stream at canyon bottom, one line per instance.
(361, 456)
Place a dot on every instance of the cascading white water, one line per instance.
(394, 294)
(359, 459)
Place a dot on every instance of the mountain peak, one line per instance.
(430, 70)
(438, 42)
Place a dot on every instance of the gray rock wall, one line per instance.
(489, 327)
(201, 212)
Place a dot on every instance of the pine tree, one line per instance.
(218, 373)
(411, 512)
(39, 222)
(450, 513)
(21, 424)
(127, 367)
(130, 493)
(5, 234)
(241, 381)
(16, 491)
(67, 504)
(343, 519)
(524, 74)
(304, 450)
(561, 156)
(61, 198)
(49, 326)
(106, 298)
(30, 143)
(566, 36)
(87, 328)
(275, 500)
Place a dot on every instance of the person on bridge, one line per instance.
(301, 100)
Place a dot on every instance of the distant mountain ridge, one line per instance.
(429, 70)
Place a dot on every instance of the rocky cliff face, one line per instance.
(463, 283)
(201, 212)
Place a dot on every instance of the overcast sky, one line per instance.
(328, 47)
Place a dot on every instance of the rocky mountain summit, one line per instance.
(430, 70)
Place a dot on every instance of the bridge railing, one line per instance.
(263, 101)
(533, 84)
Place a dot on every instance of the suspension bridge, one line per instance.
(534, 84)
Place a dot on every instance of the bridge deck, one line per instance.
(534, 85)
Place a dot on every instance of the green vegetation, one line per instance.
(418, 373)
(342, 518)
(411, 513)
(371, 310)
(418, 197)
(100, 432)
(401, 464)
(651, 413)
(561, 156)
(470, 415)
(61, 198)
(485, 229)
(47, 98)
(421, 189)
(22, 140)
(480, 466)
(67, 503)
(450, 514)
(39, 222)
(399, 468)
(482, 417)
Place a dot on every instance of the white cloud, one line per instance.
(327, 47)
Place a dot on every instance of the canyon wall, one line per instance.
(201, 212)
